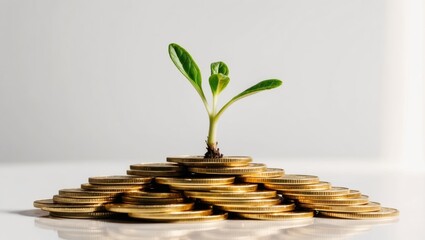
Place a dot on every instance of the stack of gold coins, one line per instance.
(89, 200)
(194, 188)
(308, 192)
(240, 199)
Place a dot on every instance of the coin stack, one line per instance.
(89, 200)
(193, 188)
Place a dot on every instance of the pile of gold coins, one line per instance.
(192, 188)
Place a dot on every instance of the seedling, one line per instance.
(218, 80)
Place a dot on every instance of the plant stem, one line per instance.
(211, 142)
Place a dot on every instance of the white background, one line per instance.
(92, 80)
(87, 88)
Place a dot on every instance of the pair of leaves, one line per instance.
(219, 75)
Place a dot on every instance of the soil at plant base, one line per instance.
(213, 152)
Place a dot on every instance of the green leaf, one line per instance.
(219, 67)
(218, 83)
(261, 86)
(187, 66)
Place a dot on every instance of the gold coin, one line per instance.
(62, 208)
(135, 200)
(383, 213)
(277, 216)
(285, 187)
(243, 202)
(285, 179)
(258, 209)
(351, 194)
(50, 203)
(140, 194)
(200, 161)
(250, 169)
(157, 167)
(370, 207)
(65, 200)
(171, 215)
(145, 173)
(216, 188)
(334, 191)
(231, 195)
(113, 180)
(195, 181)
(81, 193)
(342, 201)
(131, 208)
(83, 215)
(268, 173)
(111, 188)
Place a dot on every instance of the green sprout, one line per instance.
(218, 80)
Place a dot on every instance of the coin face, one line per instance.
(200, 161)
(285, 179)
(63, 208)
(113, 180)
(171, 215)
(339, 201)
(329, 192)
(384, 212)
(70, 200)
(50, 203)
(146, 173)
(112, 188)
(138, 200)
(250, 169)
(299, 196)
(148, 195)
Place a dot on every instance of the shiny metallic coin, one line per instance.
(231, 195)
(250, 169)
(268, 173)
(342, 201)
(351, 194)
(243, 202)
(285, 179)
(142, 194)
(83, 215)
(334, 191)
(112, 188)
(216, 188)
(277, 216)
(384, 212)
(50, 203)
(195, 181)
(157, 167)
(171, 215)
(258, 209)
(200, 161)
(145, 173)
(117, 180)
(285, 187)
(62, 208)
(70, 200)
(133, 200)
(131, 208)
(172, 219)
(370, 207)
(81, 193)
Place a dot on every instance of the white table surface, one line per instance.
(24, 183)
